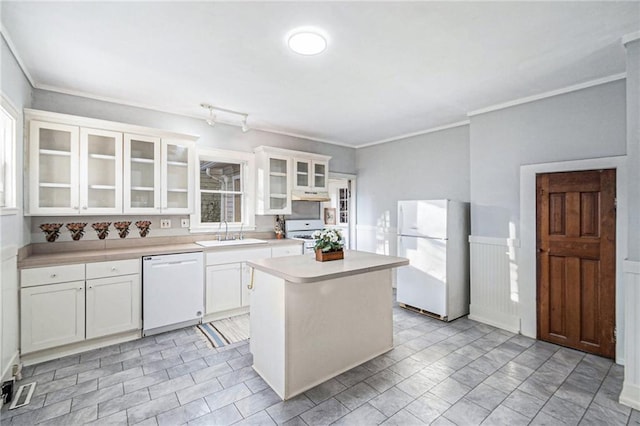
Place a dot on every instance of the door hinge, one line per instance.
(615, 203)
(615, 334)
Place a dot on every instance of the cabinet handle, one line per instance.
(113, 269)
(79, 288)
(250, 285)
(54, 275)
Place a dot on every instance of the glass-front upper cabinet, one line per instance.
(53, 167)
(141, 174)
(278, 184)
(177, 177)
(310, 174)
(274, 181)
(100, 171)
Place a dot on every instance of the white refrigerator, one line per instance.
(434, 236)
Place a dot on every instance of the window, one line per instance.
(224, 190)
(8, 116)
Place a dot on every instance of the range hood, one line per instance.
(299, 195)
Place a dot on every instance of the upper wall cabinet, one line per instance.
(158, 175)
(280, 171)
(310, 174)
(84, 166)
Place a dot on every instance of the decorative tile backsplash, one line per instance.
(53, 232)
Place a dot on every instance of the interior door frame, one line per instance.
(353, 236)
(527, 275)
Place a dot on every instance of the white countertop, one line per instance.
(305, 269)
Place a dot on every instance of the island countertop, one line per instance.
(305, 269)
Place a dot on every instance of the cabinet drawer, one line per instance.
(51, 275)
(113, 268)
(286, 250)
(235, 256)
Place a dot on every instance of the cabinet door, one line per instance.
(223, 287)
(320, 174)
(177, 177)
(51, 315)
(278, 189)
(141, 174)
(53, 165)
(302, 174)
(113, 305)
(100, 172)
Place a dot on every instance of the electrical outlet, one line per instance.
(165, 223)
(184, 222)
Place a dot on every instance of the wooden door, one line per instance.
(576, 260)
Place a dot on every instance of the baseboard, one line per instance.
(505, 322)
(7, 374)
(630, 395)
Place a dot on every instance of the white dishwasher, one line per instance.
(172, 291)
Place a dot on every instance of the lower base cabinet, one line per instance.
(52, 315)
(113, 305)
(67, 304)
(223, 287)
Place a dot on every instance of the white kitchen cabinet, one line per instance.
(65, 304)
(227, 277)
(177, 177)
(310, 174)
(100, 171)
(79, 165)
(74, 170)
(113, 305)
(158, 175)
(54, 172)
(51, 315)
(223, 287)
(141, 174)
(274, 182)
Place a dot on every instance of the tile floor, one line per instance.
(462, 373)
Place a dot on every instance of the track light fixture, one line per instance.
(212, 119)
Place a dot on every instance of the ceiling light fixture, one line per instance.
(212, 119)
(306, 41)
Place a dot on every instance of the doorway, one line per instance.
(576, 259)
(342, 189)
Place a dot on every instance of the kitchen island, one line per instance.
(311, 321)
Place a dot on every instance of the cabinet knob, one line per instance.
(54, 275)
(113, 269)
(90, 287)
(79, 288)
(84, 207)
(75, 207)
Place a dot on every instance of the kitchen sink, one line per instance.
(223, 243)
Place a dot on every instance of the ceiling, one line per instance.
(391, 68)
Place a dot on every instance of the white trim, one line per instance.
(10, 155)
(549, 94)
(14, 52)
(410, 135)
(505, 322)
(630, 395)
(7, 374)
(508, 242)
(631, 267)
(55, 117)
(527, 263)
(628, 38)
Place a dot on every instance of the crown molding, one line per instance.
(421, 132)
(628, 38)
(550, 94)
(14, 52)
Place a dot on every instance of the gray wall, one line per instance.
(430, 166)
(220, 136)
(584, 124)
(17, 89)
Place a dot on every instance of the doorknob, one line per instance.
(541, 250)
